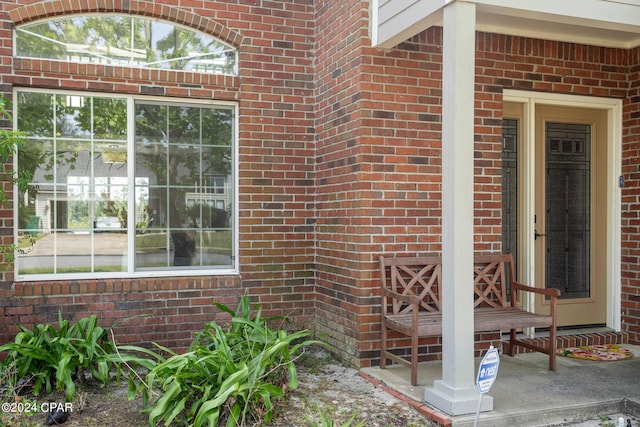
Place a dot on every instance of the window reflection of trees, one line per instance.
(180, 146)
(127, 41)
(78, 152)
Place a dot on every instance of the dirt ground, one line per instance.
(327, 391)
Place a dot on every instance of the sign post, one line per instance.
(487, 373)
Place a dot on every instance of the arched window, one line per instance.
(125, 41)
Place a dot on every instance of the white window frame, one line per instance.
(130, 256)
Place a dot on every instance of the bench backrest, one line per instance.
(492, 276)
(419, 276)
(422, 277)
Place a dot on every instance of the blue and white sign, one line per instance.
(488, 370)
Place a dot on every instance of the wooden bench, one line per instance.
(411, 305)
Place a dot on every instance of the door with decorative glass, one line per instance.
(569, 217)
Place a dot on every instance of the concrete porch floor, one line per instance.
(526, 393)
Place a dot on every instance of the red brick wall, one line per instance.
(378, 171)
(537, 65)
(378, 168)
(339, 160)
(276, 154)
(343, 200)
(164, 311)
(630, 253)
(275, 95)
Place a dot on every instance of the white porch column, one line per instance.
(456, 393)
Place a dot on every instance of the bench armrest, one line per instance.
(408, 299)
(550, 292)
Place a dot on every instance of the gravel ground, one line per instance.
(340, 392)
(611, 420)
(330, 389)
(332, 392)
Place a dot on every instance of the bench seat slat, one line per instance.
(506, 318)
(429, 324)
(484, 319)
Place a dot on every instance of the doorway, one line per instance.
(571, 161)
(557, 215)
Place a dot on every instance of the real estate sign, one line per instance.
(488, 370)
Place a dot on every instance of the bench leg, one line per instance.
(553, 347)
(512, 342)
(383, 346)
(414, 359)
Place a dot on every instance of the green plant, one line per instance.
(53, 357)
(10, 141)
(315, 359)
(226, 377)
(328, 421)
(20, 412)
(606, 421)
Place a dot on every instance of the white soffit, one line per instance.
(610, 23)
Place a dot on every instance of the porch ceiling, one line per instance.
(610, 23)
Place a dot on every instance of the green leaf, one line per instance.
(33, 351)
(224, 308)
(103, 371)
(63, 375)
(177, 409)
(227, 388)
(132, 389)
(293, 375)
(163, 405)
(234, 415)
(211, 419)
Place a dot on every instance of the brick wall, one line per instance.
(378, 166)
(630, 252)
(276, 155)
(339, 161)
(505, 62)
(276, 166)
(343, 202)
(378, 172)
(145, 311)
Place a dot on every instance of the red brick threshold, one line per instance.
(566, 340)
(428, 412)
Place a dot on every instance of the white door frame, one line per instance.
(529, 100)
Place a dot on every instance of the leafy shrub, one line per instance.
(50, 356)
(226, 377)
(10, 141)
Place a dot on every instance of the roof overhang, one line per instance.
(609, 23)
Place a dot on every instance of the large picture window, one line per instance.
(124, 185)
